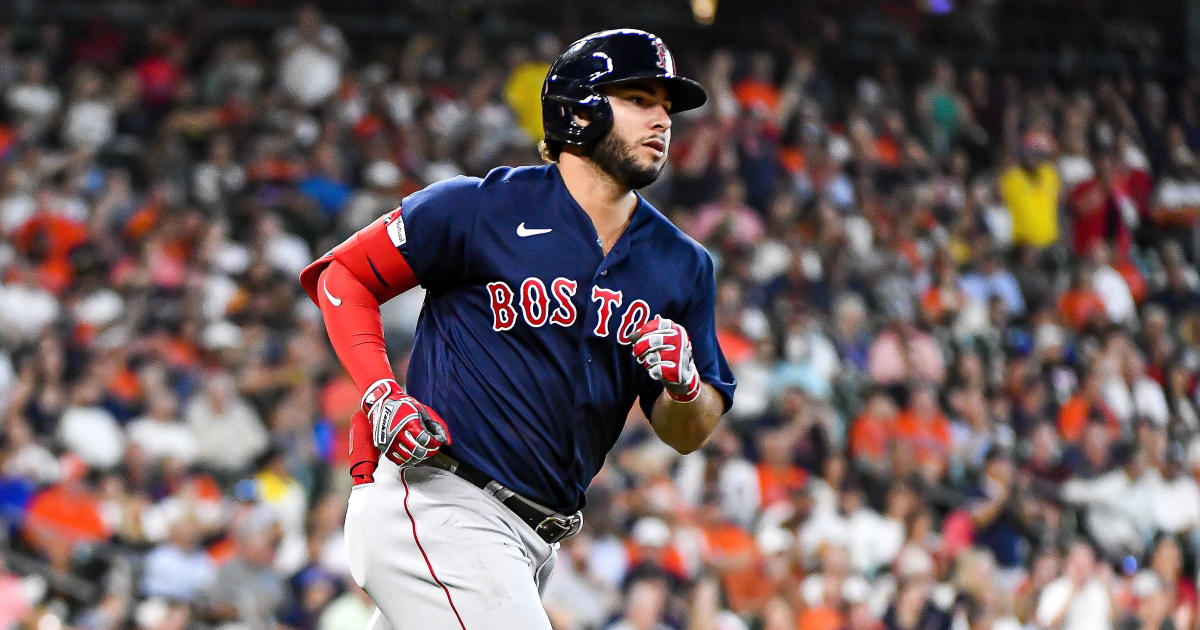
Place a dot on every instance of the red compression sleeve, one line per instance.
(354, 325)
(355, 328)
(348, 284)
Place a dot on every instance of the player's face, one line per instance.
(634, 151)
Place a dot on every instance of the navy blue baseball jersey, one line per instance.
(523, 344)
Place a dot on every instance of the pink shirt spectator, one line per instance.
(730, 213)
(893, 359)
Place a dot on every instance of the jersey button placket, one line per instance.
(586, 384)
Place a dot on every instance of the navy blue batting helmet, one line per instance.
(602, 59)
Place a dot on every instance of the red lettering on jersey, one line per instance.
(564, 289)
(504, 314)
(535, 302)
(637, 314)
(608, 300)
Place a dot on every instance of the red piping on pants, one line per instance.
(424, 555)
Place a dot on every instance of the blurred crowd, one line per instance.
(961, 303)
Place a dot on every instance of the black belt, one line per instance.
(549, 525)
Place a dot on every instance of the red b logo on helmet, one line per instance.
(664, 58)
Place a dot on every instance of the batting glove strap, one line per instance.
(379, 391)
(688, 395)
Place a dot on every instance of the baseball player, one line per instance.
(556, 296)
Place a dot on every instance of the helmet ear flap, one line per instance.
(559, 112)
(602, 120)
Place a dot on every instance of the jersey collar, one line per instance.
(641, 213)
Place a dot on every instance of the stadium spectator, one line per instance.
(1031, 190)
(645, 603)
(310, 53)
(1082, 597)
(178, 569)
(160, 434)
(230, 432)
(943, 375)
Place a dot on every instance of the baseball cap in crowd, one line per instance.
(651, 531)
(1145, 583)
(772, 540)
(246, 490)
(1048, 335)
(382, 174)
(856, 589)
(151, 613)
(913, 562)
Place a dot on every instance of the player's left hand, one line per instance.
(664, 349)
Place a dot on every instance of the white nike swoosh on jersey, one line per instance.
(332, 300)
(523, 231)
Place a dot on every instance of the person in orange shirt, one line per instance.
(778, 477)
(758, 87)
(65, 515)
(820, 618)
(942, 301)
(50, 238)
(871, 431)
(924, 428)
(1080, 305)
(1086, 403)
(734, 555)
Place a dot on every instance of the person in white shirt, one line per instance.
(1129, 392)
(34, 100)
(229, 431)
(88, 429)
(720, 462)
(1074, 164)
(1149, 400)
(90, 120)
(1110, 285)
(1175, 504)
(1117, 514)
(1082, 598)
(160, 434)
(311, 54)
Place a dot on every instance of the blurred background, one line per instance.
(956, 246)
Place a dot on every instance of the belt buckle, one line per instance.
(556, 527)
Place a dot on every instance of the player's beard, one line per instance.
(616, 157)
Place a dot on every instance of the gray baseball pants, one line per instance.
(435, 552)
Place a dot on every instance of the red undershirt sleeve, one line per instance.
(354, 325)
(355, 329)
(348, 284)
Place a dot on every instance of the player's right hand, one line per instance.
(404, 430)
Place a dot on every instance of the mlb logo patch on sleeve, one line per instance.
(395, 230)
